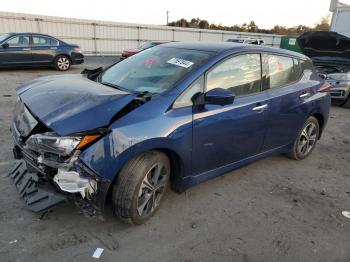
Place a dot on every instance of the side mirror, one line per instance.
(5, 45)
(216, 96)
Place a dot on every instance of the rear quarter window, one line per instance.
(306, 65)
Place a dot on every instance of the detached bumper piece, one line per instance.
(37, 197)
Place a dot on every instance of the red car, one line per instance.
(146, 45)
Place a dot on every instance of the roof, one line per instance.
(27, 33)
(220, 47)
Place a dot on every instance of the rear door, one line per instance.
(18, 51)
(288, 94)
(227, 134)
(44, 49)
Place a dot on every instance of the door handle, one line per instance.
(304, 95)
(26, 49)
(260, 107)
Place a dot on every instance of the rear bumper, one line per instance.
(77, 58)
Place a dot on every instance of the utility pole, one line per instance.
(167, 17)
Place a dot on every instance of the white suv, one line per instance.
(250, 41)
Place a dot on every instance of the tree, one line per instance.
(323, 25)
(203, 24)
(252, 27)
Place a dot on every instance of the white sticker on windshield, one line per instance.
(180, 62)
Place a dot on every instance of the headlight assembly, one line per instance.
(50, 142)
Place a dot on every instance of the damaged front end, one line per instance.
(48, 168)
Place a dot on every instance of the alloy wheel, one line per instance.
(152, 189)
(307, 139)
(63, 63)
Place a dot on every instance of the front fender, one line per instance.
(107, 156)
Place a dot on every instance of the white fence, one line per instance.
(110, 38)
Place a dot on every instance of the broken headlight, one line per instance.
(49, 142)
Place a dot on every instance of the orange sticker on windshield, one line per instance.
(151, 61)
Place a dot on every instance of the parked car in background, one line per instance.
(340, 88)
(33, 49)
(250, 41)
(330, 53)
(144, 46)
(179, 114)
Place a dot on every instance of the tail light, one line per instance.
(325, 88)
(77, 49)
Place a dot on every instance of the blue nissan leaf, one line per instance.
(171, 116)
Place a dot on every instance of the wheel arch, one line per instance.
(321, 122)
(62, 54)
(176, 165)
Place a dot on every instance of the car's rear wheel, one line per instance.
(306, 140)
(62, 63)
(140, 187)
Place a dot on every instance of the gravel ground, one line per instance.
(276, 209)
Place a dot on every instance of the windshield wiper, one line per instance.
(114, 86)
(91, 73)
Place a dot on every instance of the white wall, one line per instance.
(341, 21)
(110, 38)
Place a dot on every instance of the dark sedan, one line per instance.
(32, 49)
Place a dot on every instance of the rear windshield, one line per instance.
(154, 70)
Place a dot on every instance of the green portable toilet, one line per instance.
(290, 43)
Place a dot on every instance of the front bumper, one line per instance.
(38, 197)
(340, 90)
(37, 185)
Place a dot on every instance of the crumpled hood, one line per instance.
(326, 48)
(72, 103)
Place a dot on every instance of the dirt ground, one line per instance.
(276, 209)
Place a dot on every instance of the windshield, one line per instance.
(154, 70)
(3, 37)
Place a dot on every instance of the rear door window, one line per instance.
(44, 41)
(240, 74)
(281, 71)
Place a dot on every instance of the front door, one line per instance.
(18, 52)
(227, 134)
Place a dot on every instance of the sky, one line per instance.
(266, 13)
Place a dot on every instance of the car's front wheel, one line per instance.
(62, 63)
(140, 186)
(306, 140)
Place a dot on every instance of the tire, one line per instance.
(308, 135)
(135, 197)
(337, 103)
(62, 63)
(347, 102)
